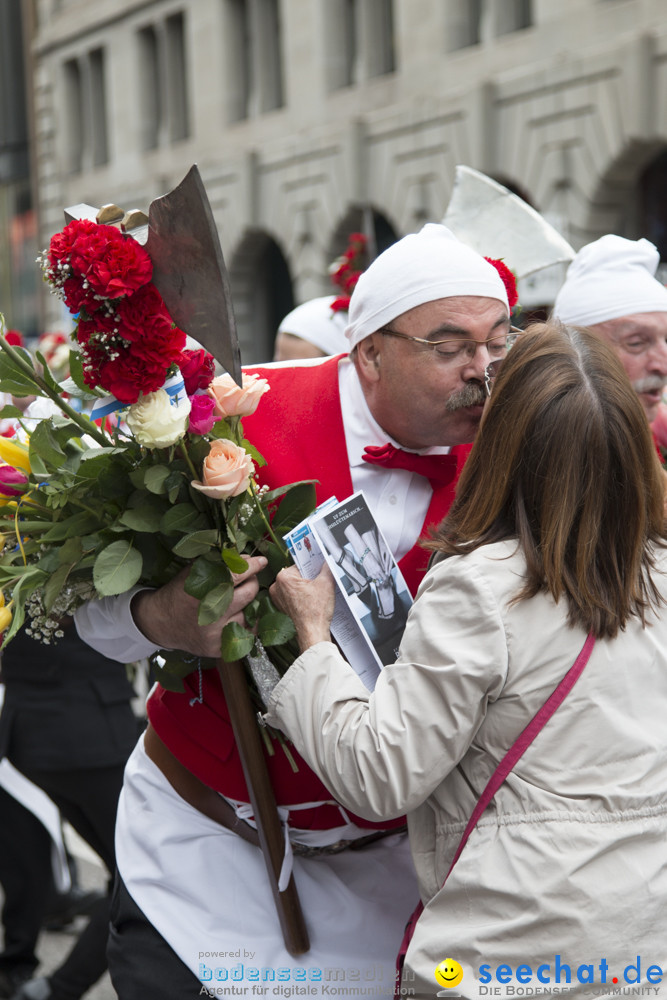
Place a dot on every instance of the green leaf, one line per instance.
(276, 628)
(10, 412)
(216, 602)
(221, 429)
(182, 518)
(254, 454)
(277, 559)
(156, 477)
(236, 562)
(168, 679)
(55, 584)
(78, 524)
(205, 575)
(195, 544)
(14, 380)
(298, 503)
(20, 594)
(117, 568)
(46, 373)
(282, 490)
(145, 518)
(236, 642)
(75, 384)
(70, 551)
(43, 443)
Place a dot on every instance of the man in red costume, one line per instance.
(395, 418)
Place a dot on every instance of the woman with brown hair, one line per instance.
(551, 564)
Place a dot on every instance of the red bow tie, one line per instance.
(438, 469)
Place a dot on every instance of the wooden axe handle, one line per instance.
(263, 801)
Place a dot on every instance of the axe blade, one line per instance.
(189, 270)
(494, 221)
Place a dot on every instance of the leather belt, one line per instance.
(209, 802)
(198, 795)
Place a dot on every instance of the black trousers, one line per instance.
(141, 963)
(27, 882)
(88, 799)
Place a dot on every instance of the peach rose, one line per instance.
(227, 471)
(233, 401)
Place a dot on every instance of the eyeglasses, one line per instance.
(458, 352)
(491, 373)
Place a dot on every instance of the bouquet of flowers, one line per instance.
(157, 478)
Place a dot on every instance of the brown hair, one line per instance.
(565, 463)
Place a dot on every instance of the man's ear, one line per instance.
(368, 353)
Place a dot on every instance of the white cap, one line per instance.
(425, 266)
(609, 278)
(316, 322)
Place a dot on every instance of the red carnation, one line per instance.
(197, 368)
(128, 375)
(143, 320)
(508, 279)
(111, 264)
(341, 304)
(14, 338)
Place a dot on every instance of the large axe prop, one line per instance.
(190, 274)
(493, 220)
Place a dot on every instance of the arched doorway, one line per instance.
(652, 201)
(261, 285)
(369, 221)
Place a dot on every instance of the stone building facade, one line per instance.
(310, 118)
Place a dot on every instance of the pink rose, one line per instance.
(10, 477)
(233, 401)
(227, 471)
(202, 416)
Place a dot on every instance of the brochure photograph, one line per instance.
(366, 573)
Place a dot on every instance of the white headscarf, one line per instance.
(609, 278)
(316, 322)
(428, 265)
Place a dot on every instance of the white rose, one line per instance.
(156, 421)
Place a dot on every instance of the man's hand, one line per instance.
(168, 616)
(309, 603)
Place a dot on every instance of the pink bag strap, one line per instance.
(523, 741)
(514, 754)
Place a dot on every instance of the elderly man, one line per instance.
(611, 288)
(395, 419)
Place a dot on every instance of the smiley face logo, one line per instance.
(448, 973)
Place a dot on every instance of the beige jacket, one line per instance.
(570, 859)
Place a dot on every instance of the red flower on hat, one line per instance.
(508, 279)
(347, 269)
(341, 304)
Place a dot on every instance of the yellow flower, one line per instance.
(13, 452)
(5, 616)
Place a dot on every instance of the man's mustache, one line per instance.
(652, 383)
(472, 394)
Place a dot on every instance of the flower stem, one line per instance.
(86, 425)
(278, 541)
(184, 452)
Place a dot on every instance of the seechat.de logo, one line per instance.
(448, 973)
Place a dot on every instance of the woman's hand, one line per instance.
(309, 603)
